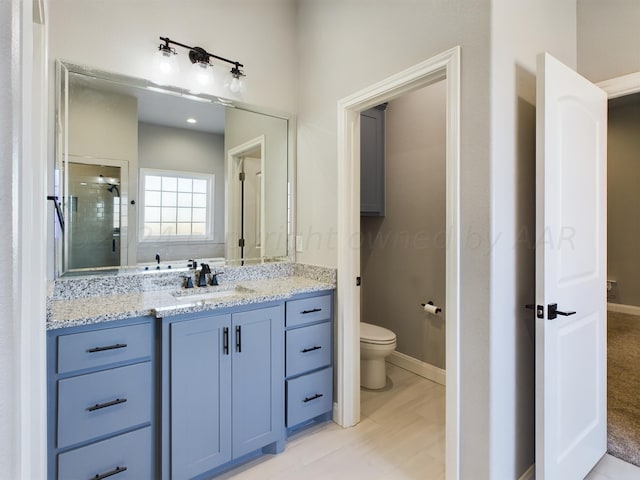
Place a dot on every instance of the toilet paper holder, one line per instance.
(430, 307)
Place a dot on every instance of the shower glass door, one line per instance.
(93, 207)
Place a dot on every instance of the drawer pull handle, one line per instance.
(108, 347)
(314, 310)
(238, 339)
(308, 399)
(115, 471)
(98, 406)
(307, 350)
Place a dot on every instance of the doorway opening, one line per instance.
(623, 283)
(444, 67)
(403, 271)
(246, 212)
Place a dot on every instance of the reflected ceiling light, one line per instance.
(191, 120)
(203, 59)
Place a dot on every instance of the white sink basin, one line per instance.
(211, 295)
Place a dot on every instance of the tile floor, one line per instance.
(401, 436)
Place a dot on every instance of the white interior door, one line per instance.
(571, 413)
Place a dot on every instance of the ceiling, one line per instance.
(163, 107)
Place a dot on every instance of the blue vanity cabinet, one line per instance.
(200, 373)
(372, 162)
(309, 359)
(100, 400)
(222, 389)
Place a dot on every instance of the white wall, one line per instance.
(22, 446)
(608, 38)
(346, 45)
(520, 31)
(121, 36)
(10, 128)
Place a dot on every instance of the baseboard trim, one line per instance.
(529, 474)
(418, 367)
(620, 308)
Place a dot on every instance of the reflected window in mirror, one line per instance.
(176, 205)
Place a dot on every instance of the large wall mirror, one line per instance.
(151, 177)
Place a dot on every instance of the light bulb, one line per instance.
(166, 65)
(204, 76)
(235, 85)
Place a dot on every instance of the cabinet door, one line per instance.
(257, 379)
(372, 162)
(200, 396)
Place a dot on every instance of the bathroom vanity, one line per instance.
(194, 386)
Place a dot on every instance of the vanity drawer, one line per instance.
(125, 457)
(308, 310)
(308, 348)
(96, 348)
(103, 402)
(309, 396)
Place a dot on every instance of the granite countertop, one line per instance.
(168, 302)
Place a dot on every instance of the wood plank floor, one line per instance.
(401, 436)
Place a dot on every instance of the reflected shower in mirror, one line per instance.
(151, 172)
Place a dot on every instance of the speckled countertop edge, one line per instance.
(68, 312)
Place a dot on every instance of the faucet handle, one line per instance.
(214, 278)
(188, 281)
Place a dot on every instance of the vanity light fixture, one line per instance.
(200, 57)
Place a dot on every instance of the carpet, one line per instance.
(623, 386)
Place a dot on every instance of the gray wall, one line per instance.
(180, 149)
(403, 257)
(623, 178)
(607, 38)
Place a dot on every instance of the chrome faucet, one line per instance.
(158, 260)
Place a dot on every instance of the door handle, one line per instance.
(553, 312)
(238, 339)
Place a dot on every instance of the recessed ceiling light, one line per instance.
(191, 120)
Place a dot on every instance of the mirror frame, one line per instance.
(63, 67)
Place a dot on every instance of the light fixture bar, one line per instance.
(199, 52)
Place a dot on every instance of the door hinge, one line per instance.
(358, 281)
(241, 242)
(241, 176)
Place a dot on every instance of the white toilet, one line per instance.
(376, 344)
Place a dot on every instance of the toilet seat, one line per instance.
(375, 335)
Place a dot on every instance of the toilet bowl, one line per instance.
(376, 343)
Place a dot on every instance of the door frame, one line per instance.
(444, 66)
(233, 211)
